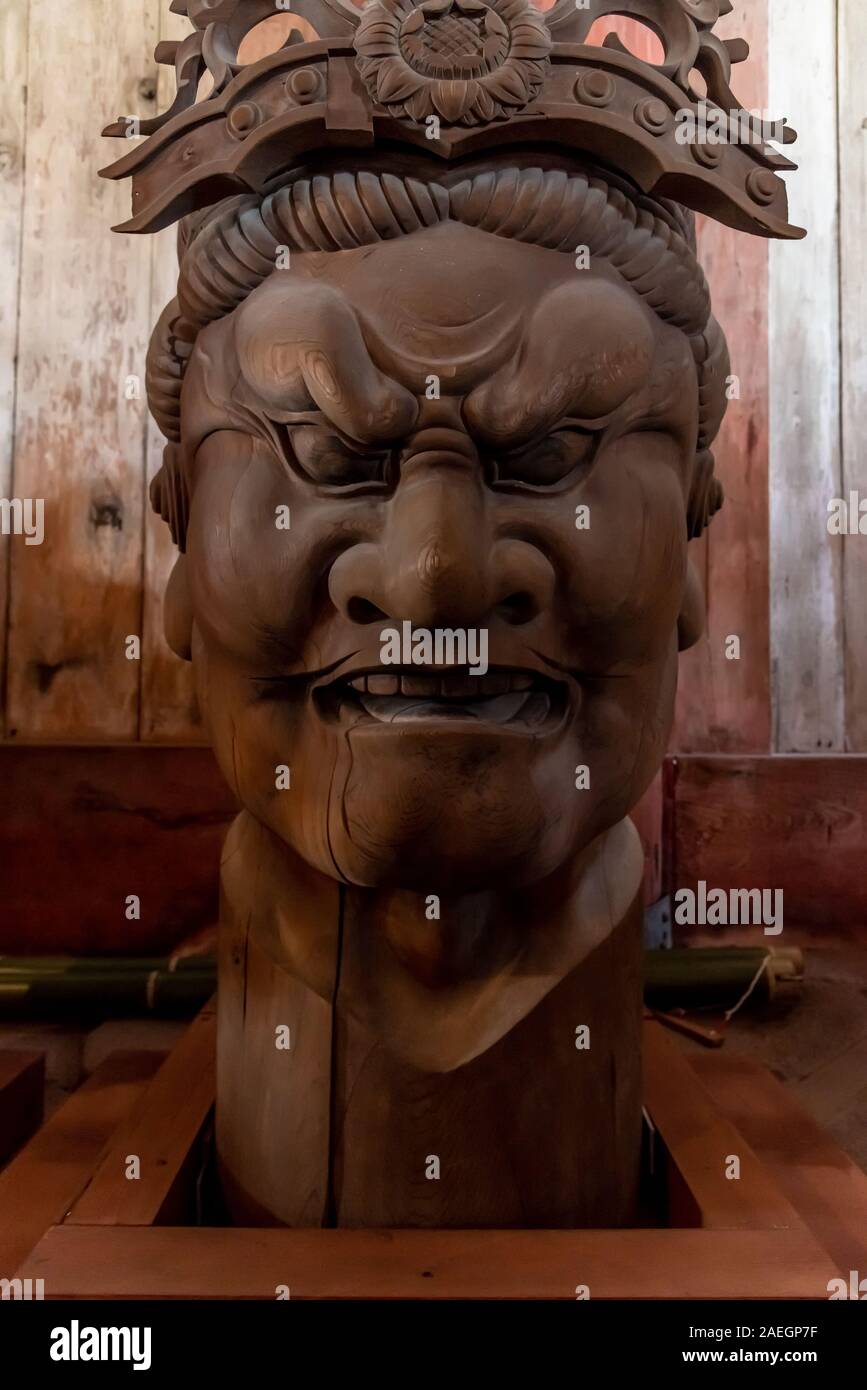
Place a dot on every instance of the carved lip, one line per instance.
(509, 699)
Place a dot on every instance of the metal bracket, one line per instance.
(657, 925)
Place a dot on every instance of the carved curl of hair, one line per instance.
(228, 250)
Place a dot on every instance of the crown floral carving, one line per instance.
(464, 60)
(494, 73)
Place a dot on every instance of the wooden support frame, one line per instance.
(162, 1132)
(43, 1181)
(22, 1085)
(161, 1262)
(766, 1236)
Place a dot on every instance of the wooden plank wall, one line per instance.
(725, 705)
(84, 828)
(793, 822)
(807, 634)
(852, 52)
(13, 79)
(77, 303)
(79, 442)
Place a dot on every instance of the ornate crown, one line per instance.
(453, 79)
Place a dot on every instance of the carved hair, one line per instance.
(230, 249)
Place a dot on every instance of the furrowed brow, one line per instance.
(587, 349)
(305, 350)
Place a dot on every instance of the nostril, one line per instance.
(361, 610)
(518, 608)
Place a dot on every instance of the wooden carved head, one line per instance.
(440, 385)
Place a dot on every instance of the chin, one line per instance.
(431, 835)
(443, 868)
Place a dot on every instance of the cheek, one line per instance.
(623, 575)
(251, 574)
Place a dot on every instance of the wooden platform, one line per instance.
(794, 1219)
(22, 1083)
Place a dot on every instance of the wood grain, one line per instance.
(828, 1189)
(483, 1076)
(794, 823)
(724, 706)
(161, 1262)
(700, 1144)
(13, 115)
(22, 1083)
(274, 1103)
(530, 1133)
(805, 468)
(83, 828)
(162, 1132)
(852, 46)
(41, 1183)
(79, 441)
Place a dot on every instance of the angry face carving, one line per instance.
(453, 428)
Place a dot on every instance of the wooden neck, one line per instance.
(473, 1069)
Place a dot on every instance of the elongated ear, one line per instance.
(169, 496)
(706, 496)
(691, 618)
(178, 612)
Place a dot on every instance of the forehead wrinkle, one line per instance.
(486, 345)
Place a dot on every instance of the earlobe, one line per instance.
(691, 618)
(178, 611)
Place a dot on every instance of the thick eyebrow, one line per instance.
(607, 357)
(306, 348)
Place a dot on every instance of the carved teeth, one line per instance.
(497, 683)
(462, 686)
(499, 709)
(383, 685)
(452, 694)
(426, 686)
(454, 685)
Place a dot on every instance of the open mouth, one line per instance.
(395, 695)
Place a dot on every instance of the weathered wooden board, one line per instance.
(165, 1262)
(724, 705)
(852, 40)
(13, 112)
(794, 823)
(22, 1084)
(804, 319)
(79, 439)
(43, 1180)
(701, 1144)
(84, 828)
(827, 1188)
(161, 1132)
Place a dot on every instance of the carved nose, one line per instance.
(439, 564)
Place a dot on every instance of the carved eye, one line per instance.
(327, 459)
(554, 459)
